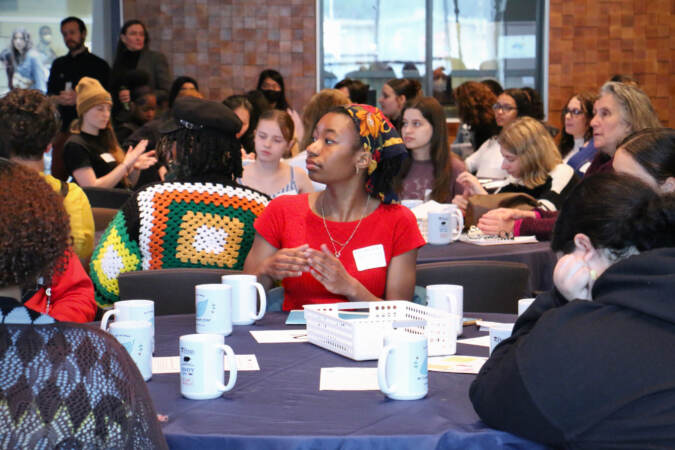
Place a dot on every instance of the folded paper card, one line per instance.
(171, 364)
(456, 364)
(279, 336)
(348, 379)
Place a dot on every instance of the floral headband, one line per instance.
(378, 137)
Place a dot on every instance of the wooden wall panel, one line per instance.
(225, 44)
(591, 40)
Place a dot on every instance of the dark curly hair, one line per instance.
(618, 213)
(34, 227)
(28, 122)
(474, 103)
(586, 99)
(200, 152)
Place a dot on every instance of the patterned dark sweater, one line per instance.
(66, 385)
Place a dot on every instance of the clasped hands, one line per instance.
(321, 264)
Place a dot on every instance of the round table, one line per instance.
(281, 406)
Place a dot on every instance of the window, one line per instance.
(41, 20)
(442, 43)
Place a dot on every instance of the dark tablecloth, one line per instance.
(538, 256)
(281, 407)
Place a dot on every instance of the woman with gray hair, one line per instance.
(620, 110)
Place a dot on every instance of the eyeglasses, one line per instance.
(573, 111)
(504, 107)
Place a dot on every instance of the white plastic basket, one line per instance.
(361, 339)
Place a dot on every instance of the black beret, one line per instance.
(198, 114)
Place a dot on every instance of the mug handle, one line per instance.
(263, 301)
(460, 224)
(232, 362)
(106, 318)
(382, 370)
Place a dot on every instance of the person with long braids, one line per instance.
(198, 217)
(349, 242)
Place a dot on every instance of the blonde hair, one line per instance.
(318, 105)
(635, 107)
(532, 144)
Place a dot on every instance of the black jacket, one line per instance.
(591, 374)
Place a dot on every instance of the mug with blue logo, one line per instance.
(137, 338)
(213, 307)
(402, 367)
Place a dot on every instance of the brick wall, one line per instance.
(224, 45)
(590, 40)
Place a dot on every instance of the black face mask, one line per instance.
(271, 96)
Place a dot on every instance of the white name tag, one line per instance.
(369, 257)
(107, 157)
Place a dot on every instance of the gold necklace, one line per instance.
(337, 252)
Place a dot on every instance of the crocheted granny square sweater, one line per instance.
(176, 224)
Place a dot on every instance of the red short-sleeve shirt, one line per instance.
(288, 222)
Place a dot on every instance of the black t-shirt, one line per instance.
(68, 68)
(85, 150)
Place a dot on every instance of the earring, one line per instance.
(357, 170)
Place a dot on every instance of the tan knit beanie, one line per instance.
(89, 94)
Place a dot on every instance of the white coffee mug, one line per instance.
(499, 332)
(444, 226)
(132, 310)
(523, 304)
(449, 298)
(244, 299)
(213, 306)
(202, 373)
(402, 367)
(136, 337)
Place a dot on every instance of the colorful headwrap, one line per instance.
(379, 137)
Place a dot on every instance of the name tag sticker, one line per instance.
(369, 257)
(107, 157)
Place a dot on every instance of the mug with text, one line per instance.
(499, 332)
(136, 337)
(402, 366)
(444, 225)
(202, 372)
(132, 310)
(213, 306)
(244, 299)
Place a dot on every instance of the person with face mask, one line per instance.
(271, 84)
(44, 47)
(66, 72)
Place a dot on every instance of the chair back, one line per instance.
(102, 217)
(172, 290)
(489, 286)
(106, 197)
(67, 385)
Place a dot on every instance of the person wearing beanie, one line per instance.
(198, 217)
(91, 154)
